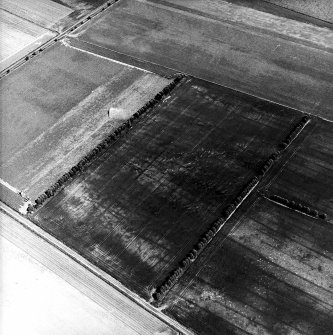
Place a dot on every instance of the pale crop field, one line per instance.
(44, 13)
(16, 34)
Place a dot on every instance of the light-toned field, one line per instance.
(44, 291)
(25, 25)
(272, 274)
(18, 36)
(11, 197)
(54, 15)
(35, 301)
(44, 13)
(66, 95)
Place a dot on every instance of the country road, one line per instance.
(45, 289)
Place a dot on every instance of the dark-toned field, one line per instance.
(55, 110)
(228, 46)
(272, 274)
(138, 209)
(307, 176)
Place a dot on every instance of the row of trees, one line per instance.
(283, 145)
(206, 238)
(187, 260)
(83, 163)
(201, 244)
(298, 206)
(294, 133)
(269, 163)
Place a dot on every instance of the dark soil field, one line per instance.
(55, 110)
(138, 209)
(272, 274)
(307, 175)
(198, 38)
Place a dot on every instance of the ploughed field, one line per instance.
(223, 43)
(269, 272)
(59, 106)
(138, 209)
(270, 267)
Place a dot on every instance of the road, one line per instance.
(45, 280)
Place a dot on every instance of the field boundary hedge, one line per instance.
(102, 147)
(161, 291)
(297, 206)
